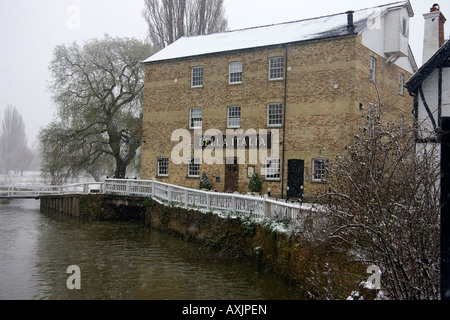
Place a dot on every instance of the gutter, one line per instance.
(284, 120)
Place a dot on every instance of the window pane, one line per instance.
(234, 116)
(273, 169)
(401, 83)
(194, 167)
(236, 72)
(320, 167)
(274, 114)
(373, 65)
(163, 166)
(195, 120)
(197, 77)
(276, 68)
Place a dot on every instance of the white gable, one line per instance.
(384, 36)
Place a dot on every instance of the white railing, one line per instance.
(12, 192)
(257, 206)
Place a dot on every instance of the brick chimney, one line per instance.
(434, 32)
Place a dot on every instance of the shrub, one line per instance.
(205, 183)
(255, 184)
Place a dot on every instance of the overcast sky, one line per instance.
(30, 30)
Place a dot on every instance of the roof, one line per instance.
(440, 58)
(277, 34)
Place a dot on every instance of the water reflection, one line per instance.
(117, 261)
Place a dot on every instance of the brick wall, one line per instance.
(326, 81)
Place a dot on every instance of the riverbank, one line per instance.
(311, 266)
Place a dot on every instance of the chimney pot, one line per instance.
(350, 25)
(435, 7)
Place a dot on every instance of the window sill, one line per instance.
(272, 180)
(319, 182)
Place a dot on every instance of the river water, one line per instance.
(117, 261)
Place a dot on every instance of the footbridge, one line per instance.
(255, 205)
(35, 192)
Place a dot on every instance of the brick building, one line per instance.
(308, 84)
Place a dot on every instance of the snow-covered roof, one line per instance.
(290, 32)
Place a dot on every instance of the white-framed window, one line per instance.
(320, 170)
(401, 83)
(234, 117)
(272, 169)
(235, 74)
(197, 77)
(373, 69)
(276, 68)
(193, 167)
(274, 115)
(195, 118)
(163, 167)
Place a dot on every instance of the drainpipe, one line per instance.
(284, 119)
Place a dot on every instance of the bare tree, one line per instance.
(385, 208)
(14, 151)
(169, 20)
(98, 90)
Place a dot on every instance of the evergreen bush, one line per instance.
(205, 183)
(255, 184)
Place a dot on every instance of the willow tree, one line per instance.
(97, 89)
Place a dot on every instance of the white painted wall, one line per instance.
(446, 92)
(430, 91)
(430, 88)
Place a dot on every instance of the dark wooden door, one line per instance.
(231, 175)
(295, 178)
